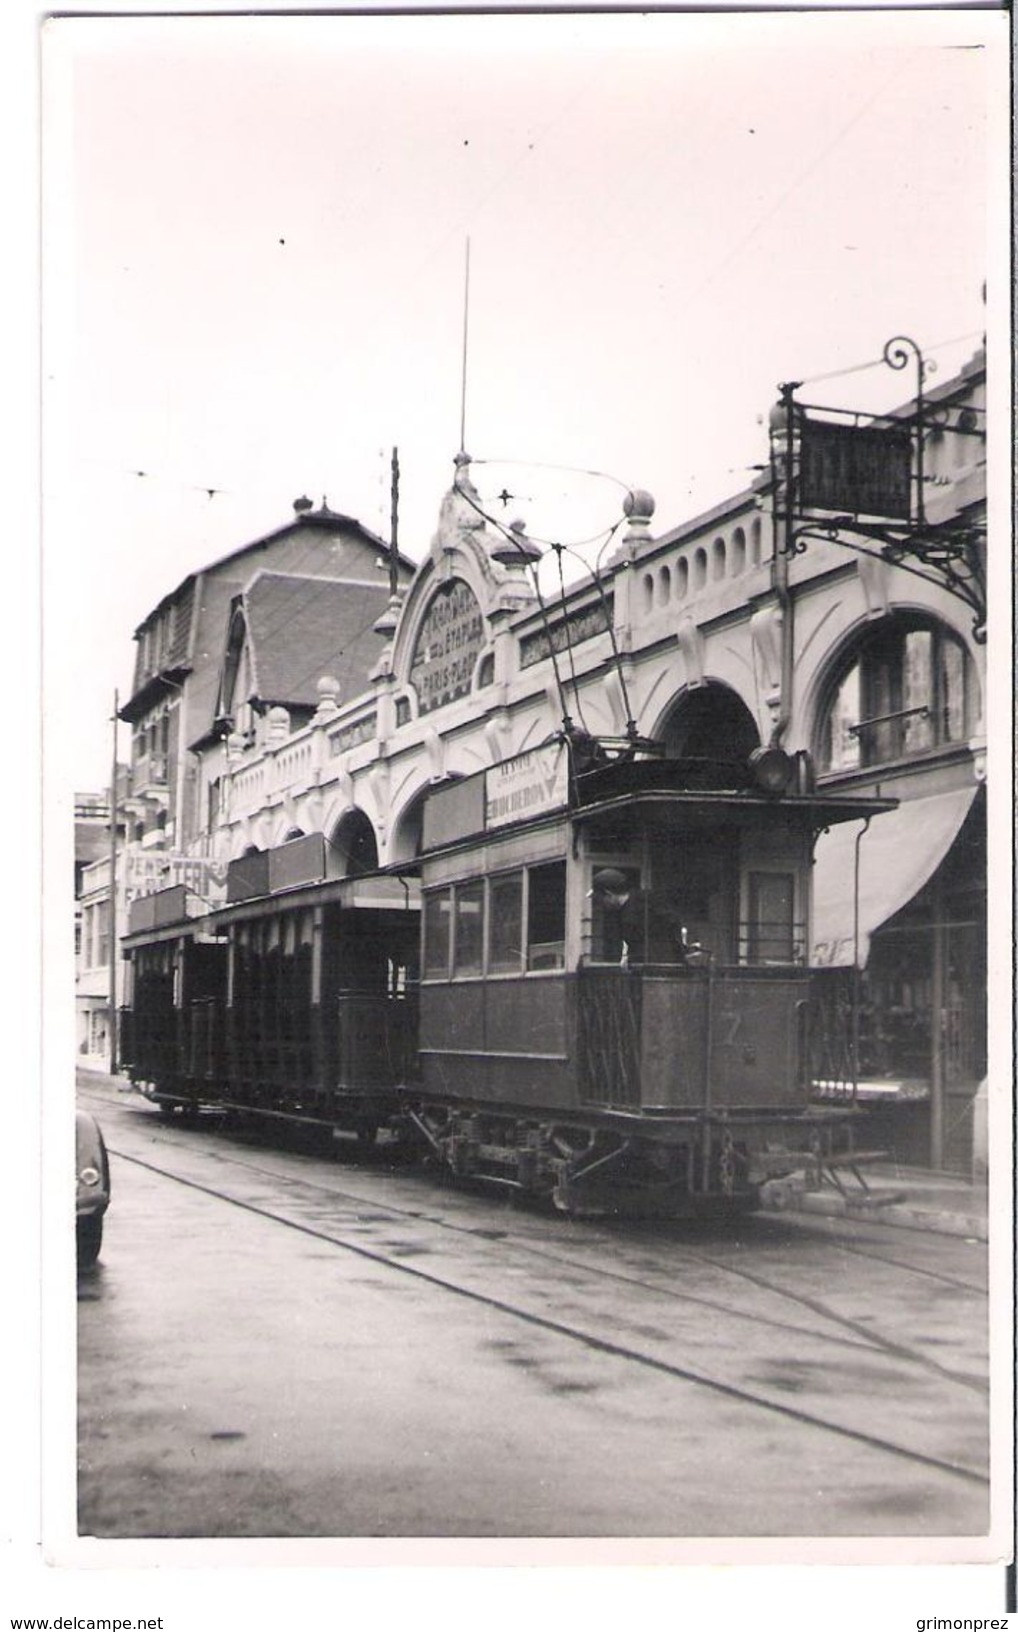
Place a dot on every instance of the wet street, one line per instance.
(283, 1344)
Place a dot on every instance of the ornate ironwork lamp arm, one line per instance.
(898, 353)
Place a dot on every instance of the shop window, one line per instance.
(904, 693)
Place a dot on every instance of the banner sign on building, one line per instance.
(449, 642)
(861, 470)
(526, 786)
(579, 626)
(160, 870)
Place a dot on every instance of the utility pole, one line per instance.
(112, 1029)
(466, 320)
(394, 528)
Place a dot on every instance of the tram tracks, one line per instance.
(848, 1332)
(470, 1281)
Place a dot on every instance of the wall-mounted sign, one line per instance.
(526, 786)
(449, 642)
(351, 736)
(861, 470)
(160, 870)
(582, 625)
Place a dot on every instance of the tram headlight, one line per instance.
(773, 770)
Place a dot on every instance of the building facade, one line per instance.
(233, 649)
(708, 636)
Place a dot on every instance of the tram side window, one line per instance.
(437, 932)
(505, 925)
(468, 944)
(546, 916)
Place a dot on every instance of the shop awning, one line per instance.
(898, 854)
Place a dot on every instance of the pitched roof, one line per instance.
(301, 628)
(321, 521)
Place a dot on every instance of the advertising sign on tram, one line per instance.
(526, 786)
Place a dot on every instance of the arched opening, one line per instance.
(905, 690)
(718, 553)
(711, 722)
(755, 542)
(699, 568)
(409, 829)
(353, 841)
(738, 552)
(681, 578)
(292, 833)
(664, 580)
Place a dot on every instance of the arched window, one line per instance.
(699, 568)
(738, 551)
(664, 585)
(648, 591)
(905, 690)
(717, 554)
(755, 546)
(681, 578)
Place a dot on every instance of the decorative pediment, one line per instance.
(445, 623)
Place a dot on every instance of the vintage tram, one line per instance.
(591, 985)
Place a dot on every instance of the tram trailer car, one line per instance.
(612, 1008)
(295, 1002)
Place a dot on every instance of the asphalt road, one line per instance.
(386, 1356)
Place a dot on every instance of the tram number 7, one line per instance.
(731, 1021)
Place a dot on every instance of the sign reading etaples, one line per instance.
(526, 786)
(448, 645)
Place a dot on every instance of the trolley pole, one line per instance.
(112, 1029)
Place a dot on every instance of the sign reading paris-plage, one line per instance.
(449, 642)
(526, 786)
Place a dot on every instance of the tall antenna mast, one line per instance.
(394, 526)
(463, 384)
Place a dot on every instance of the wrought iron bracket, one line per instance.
(950, 557)
(949, 554)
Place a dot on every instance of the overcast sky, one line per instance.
(254, 255)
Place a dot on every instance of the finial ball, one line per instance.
(638, 503)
